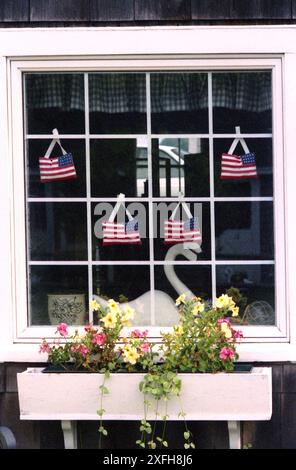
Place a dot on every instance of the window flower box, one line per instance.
(231, 397)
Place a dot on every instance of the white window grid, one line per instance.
(212, 199)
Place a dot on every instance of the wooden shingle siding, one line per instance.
(14, 10)
(161, 10)
(211, 9)
(241, 9)
(115, 10)
(262, 9)
(59, 10)
(293, 8)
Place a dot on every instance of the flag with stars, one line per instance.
(115, 233)
(238, 167)
(180, 232)
(57, 169)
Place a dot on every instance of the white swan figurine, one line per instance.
(166, 313)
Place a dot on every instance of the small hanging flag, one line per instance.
(235, 166)
(180, 232)
(116, 233)
(59, 168)
(238, 167)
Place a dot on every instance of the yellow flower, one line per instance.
(94, 305)
(235, 311)
(113, 306)
(181, 299)
(129, 313)
(109, 320)
(226, 330)
(224, 301)
(178, 330)
(130, 354)
(198, 308)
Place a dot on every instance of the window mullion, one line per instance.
(212, 182)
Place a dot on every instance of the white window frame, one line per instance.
(19, 342)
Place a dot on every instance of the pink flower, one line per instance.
(238, 334)
(99, 339)
(226, 353)
(83, 350)
(145, 347)
(223, 320)
(62, 329)
(139, 334)
(44, 347)
(89, 328)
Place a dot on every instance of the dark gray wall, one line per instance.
(279, 433)
(121, 12)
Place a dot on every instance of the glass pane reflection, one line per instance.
(58, 294)
(180, 165)
(252, 288)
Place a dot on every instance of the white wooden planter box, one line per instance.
(69, 397)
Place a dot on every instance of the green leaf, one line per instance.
(186, 435)
(186, 446)
(101, 412)
(165, 444)
(105, 432)
(192, 445)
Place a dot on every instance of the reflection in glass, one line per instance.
(172, 281)
(70, 188)
(179, 103)
(253, 187)
(162, 211)
(244, 230)
(119, 166)
(252, 288)
(180, 165)
(129, 285)
(57, 231)
(54, 100)
(101, 212)
(58, 294)
(242, 99)
(117, 103)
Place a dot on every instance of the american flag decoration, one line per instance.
(238, 167)
(115, 233)
(57, 169)
(182, 231)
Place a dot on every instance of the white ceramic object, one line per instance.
(66, 308)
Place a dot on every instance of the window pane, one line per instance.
(254, 187)
(252, 287)
(58, 294)
(69, 188)
(117, 103)
(57, 231)
(179, 103)
(54, 100)
(244, 230)
(171, 281)
(242, 99)
(129, 285)
(180, 165)
(162, 212)
(119, 166)
(101, 212)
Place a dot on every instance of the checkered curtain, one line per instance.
(124, 93)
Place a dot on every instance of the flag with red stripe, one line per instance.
(115, 233)
(180, 232)
(238, 167)
(57, 169)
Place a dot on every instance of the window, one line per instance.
(148, 127)
(151, 136)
